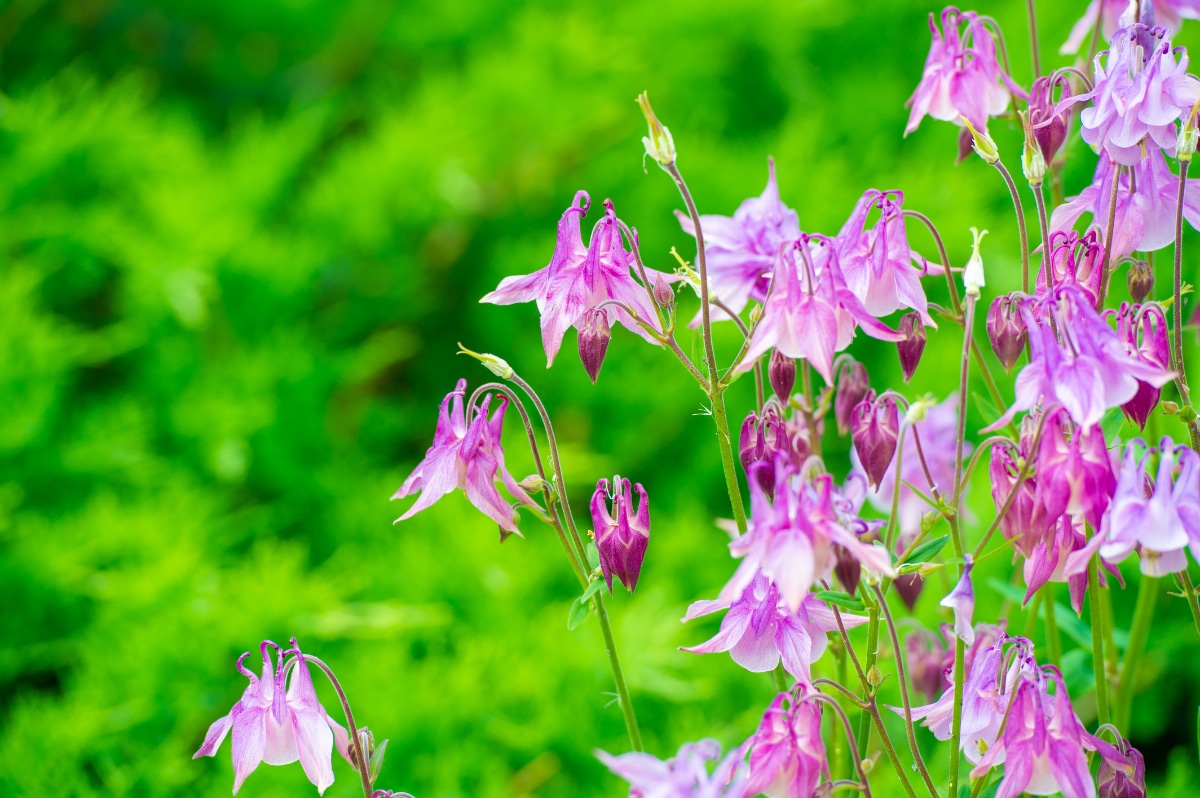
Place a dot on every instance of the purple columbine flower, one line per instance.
(1074, 471)
(961, 600)
(1139, 94)
(877, 262)
(1006, 328)
(962, 76)
(1143, 328)
(810, 312)
(1051, 555)
(278, 722)
(466, 455)
(740, 250)
(852, 387)
(787, 754)
(875, 430)
(759, 630)
(1025, 523)
(579, 279)
(1049, 122)
(912, 346)
(767, 440)
(684, 775)
(1122, 775)
(1113, 15)
(621, 541)
(1074, 259)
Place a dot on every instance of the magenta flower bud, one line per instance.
(621, 541)
(1006, 328)
(852, 387)
(1122, 774)
(926, 654)
(912, 345)
(909, 587)
(1143, 329)
(875, 428)
(764, 439)
(594, 335)
(848, 569)
(782, 374)
(664, 295)
(1049, 128)
(1140, 281)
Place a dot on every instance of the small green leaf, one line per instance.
(842, 599)
(377, 760)
(593, 555)
(578, 611)
(927, 550)
(594, 587)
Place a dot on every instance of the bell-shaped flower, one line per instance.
(962, 76)
(278, 722)
(1143, 328)
(685, 775)
(810, 313)
(876, 261)
(1075, 474)
(579, 279)
(1051, 557)
(912, 346)
(1122, 773)
(740, 250)
(759, 630)
(787, 754)
(1006, 328)
(961, 600)
(1138, 94)
(466, 455)
(621, 541)
(875, 431)
(1025, 523)
(852, 387)
(1112, 15)
(766, 439)
(1048, 122)
(1074, 259)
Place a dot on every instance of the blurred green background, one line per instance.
(238, 244)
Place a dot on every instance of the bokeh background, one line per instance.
(238, 244)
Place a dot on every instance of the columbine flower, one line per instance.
(1006, 328)
(1138, 95)
(1074, 259)
(1025, 523)
(1122, 773)
(466, 455)
(1074, 472)
(277, 722)
(787, 754)
(1046, 120)
(961, 600)
(810, 313)
(912, 346)
(580, 279)
(1112, 15)
(765, 439)
(1143, 328)
(875, 429)
(962, 77)
(683, 776)
(622, 541)
(1051, 557)
(852, 387)
(877, 262)
(740, 250)
(759, 629)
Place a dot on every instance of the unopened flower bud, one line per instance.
(496, 365)
(973, 272)
(1122, 778)
(659, 144)
(852, 386)
(782, 374)
(1049, 129)
(594, 336)
(874, 429)
(874, 676)
(1170, 408)
(532, 484)
(909, 587)
(762, 441)
(984, 146)
(621, 541)
(848, 569)
(664, 295)
(912, 344)
(1033, 163)
(1140, 281)
(1185, 146)
(1006, 328)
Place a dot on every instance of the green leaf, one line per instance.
(377, 760)
(927, 550)
(594, 587)
(842, 599)
(579, 610)
(1069, 623)
(593, 555)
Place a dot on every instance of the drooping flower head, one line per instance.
(1143, 328)
(1006, 328)
(1048, 122)
(852, 387)
(740, 250)
(766, 439)
(1025, 523)
(621, 541)
(961, 600)
(787, 754)
(962, 76)
(875, 431)
(1113, 15)
(1075, 474)
(684, 775)
(1074, 259)
(278, 722)
(466, 455)
(930, 656)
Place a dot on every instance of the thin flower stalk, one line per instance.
(1177, 312)
(1139, 634)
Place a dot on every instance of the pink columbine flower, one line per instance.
(961, 600)
(875, 431)
(931, 657)
(877, 262)
(759, 630)
(1051, 556)
(1145, 217)
(1112, 15)
(466, 455)
(1049, 121)
(767, 439)
(740, 250)
(962, 76)
(685, 775)
(1074, 259)
(1139, 94)
(787, 754)
(621, 541)
(1006, 328)
(810, 312)
(1143, 328)
(1025, 523)
(1122, 775)
(579, 279)
(1074, 471)
(853, 384)
(278, 722)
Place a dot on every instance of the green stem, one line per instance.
(610, 648)
(1016, 199)
(1033, 40)
(1053, 639)
(1139, 633)
(864, 721)
(1098, 641)
(1177, 309)
(1191, 597)
(960, 651)
(1108, 235)
(358, 757)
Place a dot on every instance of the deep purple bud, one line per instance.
(875, 427)
(782, 374)
(852, 386)
(621, 541)
(594, 336)
(926, 654)
(848, 569)
(1143, 330)
(762, 440)
(1122, 779)
(912, 344)
(1049, 128)
(1140, 281)
(663, 293)
(909, 586)
(1006, 328)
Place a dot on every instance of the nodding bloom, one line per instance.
(684, 775)
(913, 345)
(1138, 95)
(1074, 259)
(961, 600)
(765, 439)
(1087, 373)
(810, 312)
(787, 754)
(1075, 474)
(1112, 15)
(781, 373)
(1025, 523)
(759, 630)
(962, 76)
(1044, 744)
(466, 455)
(875, 429)
(740, 250)
(852, 387)
(1122, 775)
(930, 657)
(1046, 120)
(1006, 328)
(1159, 519)
(1143, 328)
(579, 279)
(278, 722)
(877, 262)
(792, 541)
(621, 541)
(1050, 561)
(1145, 215)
